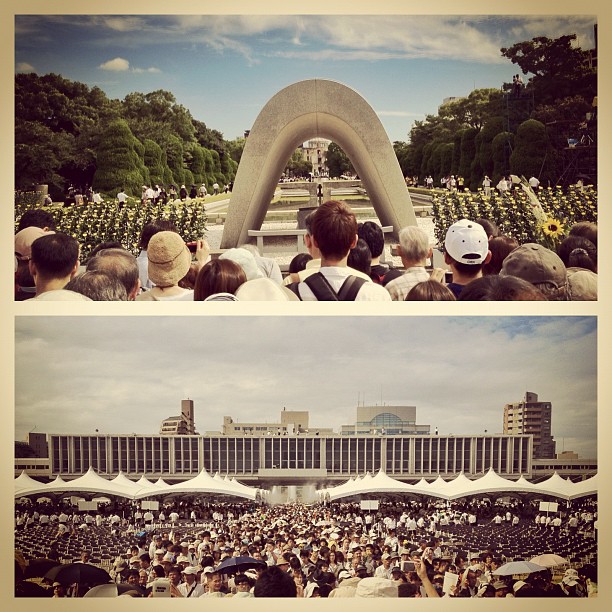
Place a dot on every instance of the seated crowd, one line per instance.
(297, 550)
(342, 264)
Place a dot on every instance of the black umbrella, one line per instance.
(234, 565)
(83, 573)
(31, 589)
(37, 568)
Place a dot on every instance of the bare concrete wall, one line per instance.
(304, 110)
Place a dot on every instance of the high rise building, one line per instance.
(531, 416)
(183, 424)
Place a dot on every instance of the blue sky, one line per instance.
(125, 374)
(224, 68)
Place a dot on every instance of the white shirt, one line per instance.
(533, 181)
(336, 275)
(184, 589)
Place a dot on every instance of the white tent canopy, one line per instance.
(203, 483)
(461, 486)
(91, 483)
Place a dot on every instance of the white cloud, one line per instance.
(24, 67)
(122, 65)
(397, 114)
(151, 70)
(116, 65)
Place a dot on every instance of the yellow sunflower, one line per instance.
(553, 228)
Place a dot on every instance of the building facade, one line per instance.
(386, 420)
(291, 422)
(315, 152)
(183, 424)
(531, 416)
(269, 460)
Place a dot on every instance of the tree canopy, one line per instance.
(62, 128)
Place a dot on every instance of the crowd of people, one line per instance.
(342, 264)
(403, 549)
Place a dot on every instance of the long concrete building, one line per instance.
(265, 460)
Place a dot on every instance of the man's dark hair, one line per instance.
(407, 589)
(294, 562)
(500, 247)
(334, 228)
(98, 286)
(242, 579)
(152, 228)
(373, 235)
(464, 268)
(500, 289)
(578, 252)
(586, 229)
(117, 263)
(298, 263)
(36, 218)
(275, 583)
(55, 255)
(489, 226)
(360, 257)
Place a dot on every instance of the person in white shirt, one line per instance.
(534, 183)
(191, 587)
(414, 249)
(334, 233)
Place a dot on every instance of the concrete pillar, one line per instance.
(308, 109)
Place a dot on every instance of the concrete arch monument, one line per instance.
(304, 110)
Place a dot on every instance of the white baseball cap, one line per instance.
(467, 242)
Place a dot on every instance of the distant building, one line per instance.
(292, 422)
(385, 420)
(315, 152)
(530, 416)
(38, 442)
(449, 100)
(180, 425)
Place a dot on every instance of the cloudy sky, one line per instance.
(125, 374)
(224, 68)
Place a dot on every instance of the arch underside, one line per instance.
(305, 110)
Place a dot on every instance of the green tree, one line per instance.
(297, 166)
(174, 152)
(235, 148)
(490, 129)
(501, 149)
(196, 163)
(468, 152)
(64, 118)
(560, 68)
(530, 149)
(157, 116)
(153, 161)
(337, 161)
(119, 163)
(39, 155)
(402, 153)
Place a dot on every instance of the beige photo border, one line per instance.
(10, 309)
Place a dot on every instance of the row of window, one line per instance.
(338, 455)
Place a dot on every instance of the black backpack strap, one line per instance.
(321, 288)
(294, 287)
(350, 288)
